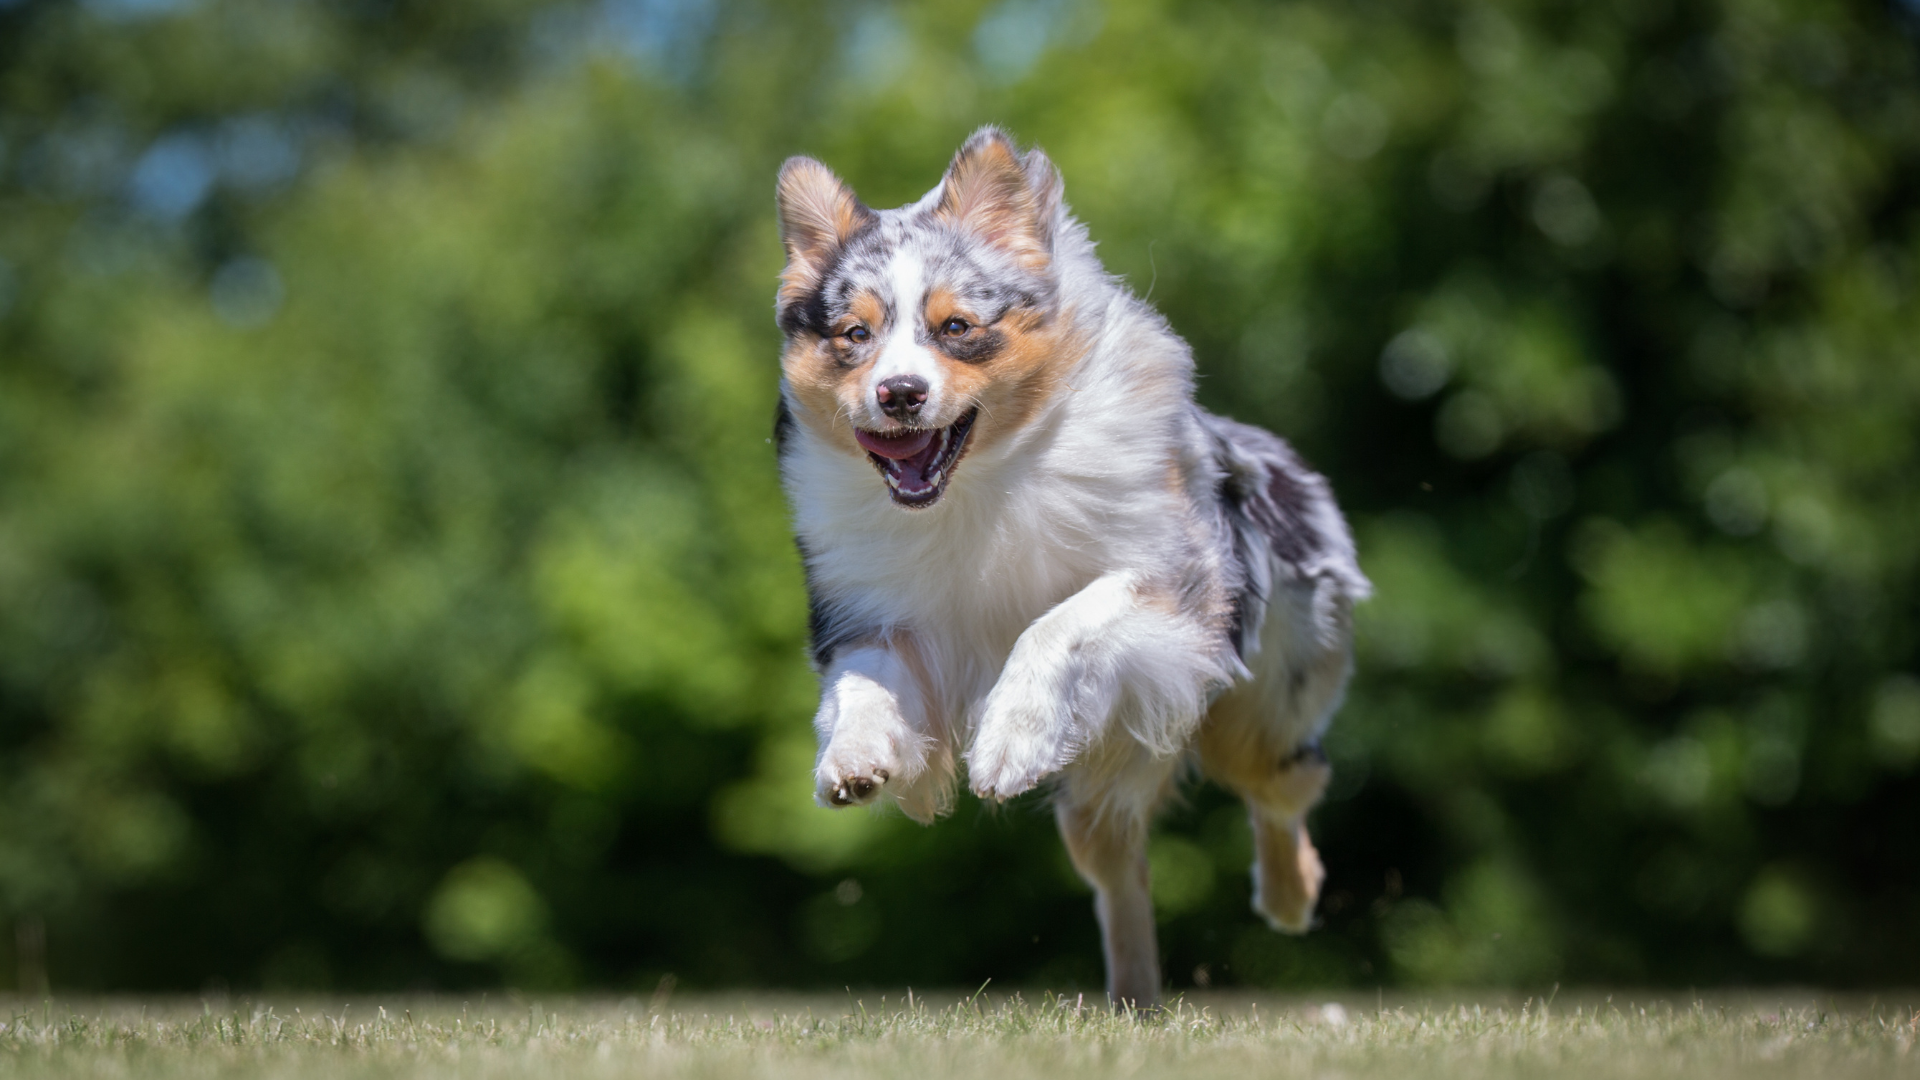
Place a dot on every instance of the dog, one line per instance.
(1027, 547)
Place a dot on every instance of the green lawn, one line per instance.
(988, 1036)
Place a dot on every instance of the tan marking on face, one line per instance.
(943, 304)
(1029, 369)
(828, 375)
(867, 310)
(820, 379)
(1009, 389)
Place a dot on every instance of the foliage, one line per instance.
(398, 588)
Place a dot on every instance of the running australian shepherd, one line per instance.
(1028, 549)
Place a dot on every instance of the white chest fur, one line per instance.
(1080, 492)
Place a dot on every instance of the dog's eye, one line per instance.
(859, 335)
(955, 327)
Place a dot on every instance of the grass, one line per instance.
(1000, 1038)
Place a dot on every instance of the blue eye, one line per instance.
(859, 335)
(955, 327)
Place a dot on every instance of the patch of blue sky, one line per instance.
(1013, 35)
(256, 151)
(173, 177)
(667, 35)
(876, 50)
(130, 10)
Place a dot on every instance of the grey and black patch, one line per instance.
(782, 428)
(986, 279)
(1278, 507)
(975, 349)
(859, 262)
(989, 283)
(827, 631)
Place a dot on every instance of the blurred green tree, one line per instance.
(397, 588)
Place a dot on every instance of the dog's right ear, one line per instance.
(818, 213)
(1008, 198)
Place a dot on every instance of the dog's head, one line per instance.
(913, 334)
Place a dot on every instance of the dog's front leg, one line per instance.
(1108, 847)
(872, 726)
(1118, 637)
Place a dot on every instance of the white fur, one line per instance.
(1068, 674)
(902, 355)
(872, 723)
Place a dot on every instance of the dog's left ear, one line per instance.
(818, 213)
(1010, 199)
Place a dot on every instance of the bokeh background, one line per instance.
(395, 590)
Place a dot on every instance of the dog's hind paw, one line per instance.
(1287, 875)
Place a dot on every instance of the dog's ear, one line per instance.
(818, 213)
(1010, 199)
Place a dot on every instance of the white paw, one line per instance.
(1020, 744)
(866, 742)
(854, 768)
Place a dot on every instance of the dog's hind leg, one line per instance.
(1110, 852)
(1286, 868)
(1262, 739)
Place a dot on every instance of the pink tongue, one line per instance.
(895, 447)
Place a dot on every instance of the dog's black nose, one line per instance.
(902, 395)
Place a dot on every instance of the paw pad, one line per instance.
(858, 789)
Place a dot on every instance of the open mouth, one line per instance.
(917, 464)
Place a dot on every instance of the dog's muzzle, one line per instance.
(918, 463)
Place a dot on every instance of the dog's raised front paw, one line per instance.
(1016, 749)
(853, 770)
(866, 742)
(853, 790)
